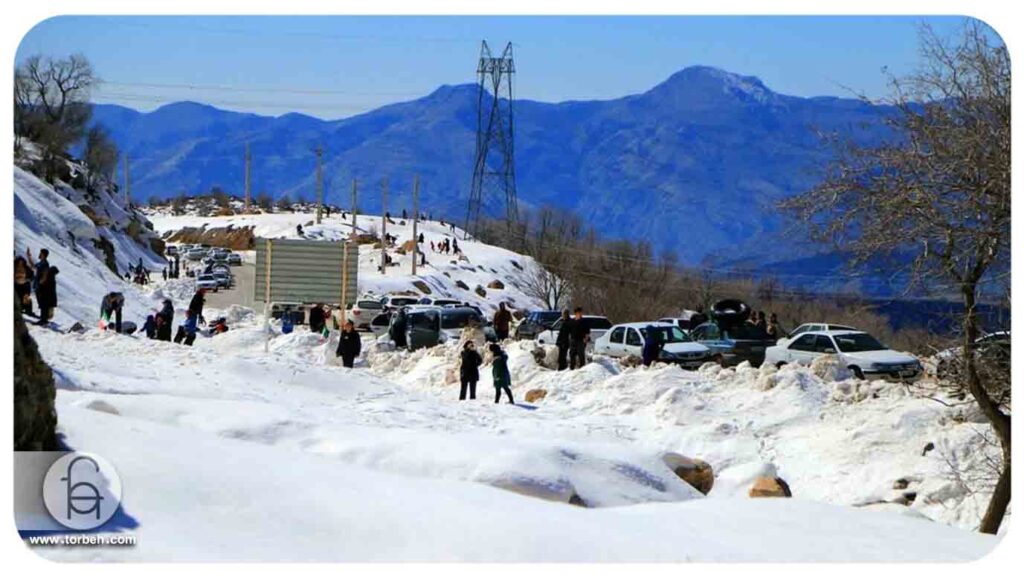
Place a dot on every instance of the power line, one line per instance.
(230, 88)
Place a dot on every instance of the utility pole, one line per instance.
(319, 182)
(384, 226)
(127, 181)
(415, 221)
(354, 208)
(248, 166)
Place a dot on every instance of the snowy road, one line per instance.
(240, 294)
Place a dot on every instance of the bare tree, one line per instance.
(547, 287)
(937, 196)
(51, 105)
(100, 157)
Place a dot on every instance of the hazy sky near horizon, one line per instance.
(338, 66)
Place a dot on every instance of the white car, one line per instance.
(858, 351)
(598, 327)
(207, 281)
(195, 254)
(363, 311)
(628, 339)
(808, 327)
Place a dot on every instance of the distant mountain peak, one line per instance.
(713, 80)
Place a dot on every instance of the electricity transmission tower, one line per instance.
(494, 175)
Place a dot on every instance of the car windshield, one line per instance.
(666, 334)
(370, 305)
(858, 342)
(206, 277)
(423, 320)
(459, 319)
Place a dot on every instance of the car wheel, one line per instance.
(857, 372)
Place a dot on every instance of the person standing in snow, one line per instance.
(421, 239)
(149, 327)
(579, 336)
(397, 330)
(46, 287)
(500, 372)
(652, 346)
(165, 274)
(455, 246)
(195, 306)
(562, 341)
(316, 319)
(110, 308)
(164, 320)
(502, 320)
(469, 370)
(349, 345)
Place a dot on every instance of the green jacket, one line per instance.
(499, 369)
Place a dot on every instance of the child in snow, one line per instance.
(502, 378)
(187, 330)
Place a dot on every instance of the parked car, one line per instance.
(992, 350)
(733, 345)
(807, 327)
(598, 326)
(363, 311)
(207, 281)
(629, 339)
(195, 254)
(427, 326)
(535, 323)
(223, 279)
(234, 259)
(858, 351)
(395, 302)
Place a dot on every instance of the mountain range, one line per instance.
(695, 165)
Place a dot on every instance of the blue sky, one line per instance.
(337, 66)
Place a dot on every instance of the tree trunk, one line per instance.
(1000, 421)
(1000, 499)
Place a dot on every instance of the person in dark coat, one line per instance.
(195, 306)
(110, 309)
(455, 246)
(652, 346)
(397, 330)
(774, 329)
(469, 370)
(698, 318)
(316, 319)
(349, 345)
(502, 321)
(579, 336)
(421, 239)
(164, 320)
(46, 287)
(562, 341)
(502, 377)
(150, 327)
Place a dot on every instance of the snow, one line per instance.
(43, 218)
(227, 452)
(199, 438)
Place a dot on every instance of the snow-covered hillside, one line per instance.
(53, 218)
(229, 452)
(480, 265)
